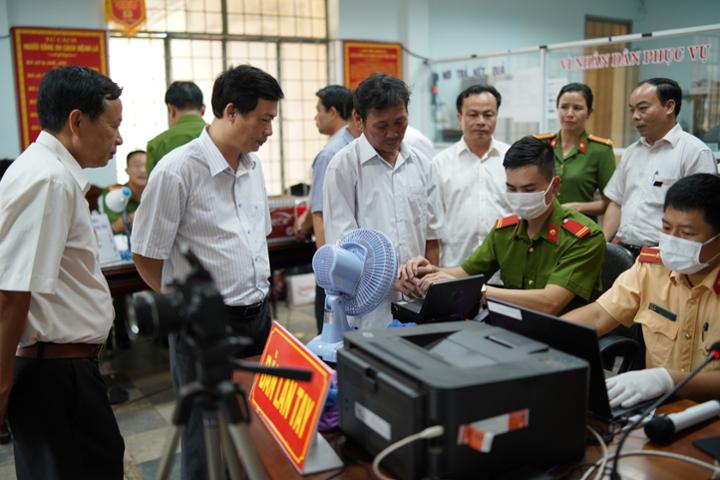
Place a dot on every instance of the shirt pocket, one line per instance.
(659, 187)
(417, 205)
(659, 334)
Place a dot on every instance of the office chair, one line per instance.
(622, 344)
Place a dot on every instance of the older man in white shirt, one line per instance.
(471, 177)
(663, 155)
(210, 195)
(379, 182)
(55, 305)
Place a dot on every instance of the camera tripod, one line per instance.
(225, 417)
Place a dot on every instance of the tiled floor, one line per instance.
(145, 419)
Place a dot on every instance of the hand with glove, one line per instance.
(631, 388)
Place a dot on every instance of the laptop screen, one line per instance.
(561, 335)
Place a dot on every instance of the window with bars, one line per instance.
(196, 40)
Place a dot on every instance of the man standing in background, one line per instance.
(377, 181)
(185, 108)
(334, 108)
(650, 166)
(137, 179)
(471, 176)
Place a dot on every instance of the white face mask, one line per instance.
(528, 205)
(682, 255)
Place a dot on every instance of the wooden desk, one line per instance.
(124, 279)
(645, 467)
(358, 464)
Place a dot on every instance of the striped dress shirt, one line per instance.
(194, 198)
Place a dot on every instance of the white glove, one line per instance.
(630, 388)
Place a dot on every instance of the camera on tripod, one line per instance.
(192, 307)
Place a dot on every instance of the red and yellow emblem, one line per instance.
(576, 228)
(650, 255)
(129, 15)
(507, 221)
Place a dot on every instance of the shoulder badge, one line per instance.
(650, 255)
(552, 137)
(507, 221)
(604, 141)
(574, 227)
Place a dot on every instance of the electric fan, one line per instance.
(356, 273)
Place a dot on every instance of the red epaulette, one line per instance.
(544, 136)
(576, 228)
(650, 255)
(547, 136)
(604, 141)
(507, 221)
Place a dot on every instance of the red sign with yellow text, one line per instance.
(290, 409)
(362, 59)
(39, 50)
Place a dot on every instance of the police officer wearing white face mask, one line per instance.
(674, 292)
(549, 257)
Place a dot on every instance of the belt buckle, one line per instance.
(252, 310)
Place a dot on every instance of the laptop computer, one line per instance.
(445, 301)
(567, 337)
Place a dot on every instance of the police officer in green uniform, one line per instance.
(137, 179)
(185, 109)
(550, 257)
(583, 162)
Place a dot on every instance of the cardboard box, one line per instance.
(300, 289)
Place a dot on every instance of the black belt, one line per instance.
(245, 311)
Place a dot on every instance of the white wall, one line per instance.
(464, 27)
(40, 13)
(430, 28)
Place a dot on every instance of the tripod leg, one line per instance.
(212, 446)
(243, 445)
(233, 464)
(166, 461)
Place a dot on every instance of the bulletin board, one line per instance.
(38, 50)
(362, 59)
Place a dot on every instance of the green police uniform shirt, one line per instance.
(568, 251)
(187, 128)
(131, 206)
(585, 169)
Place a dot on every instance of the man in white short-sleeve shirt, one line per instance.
(663, 155)
(471, 176)
(55, 305)
(379, 182)
(209, 195)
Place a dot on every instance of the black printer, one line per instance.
(503, 400)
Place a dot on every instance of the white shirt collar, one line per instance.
(462, 146)
(216, 161)
(671, 137)
(367, 152)
(49, 141)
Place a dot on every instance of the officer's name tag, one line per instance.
(661, 311)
